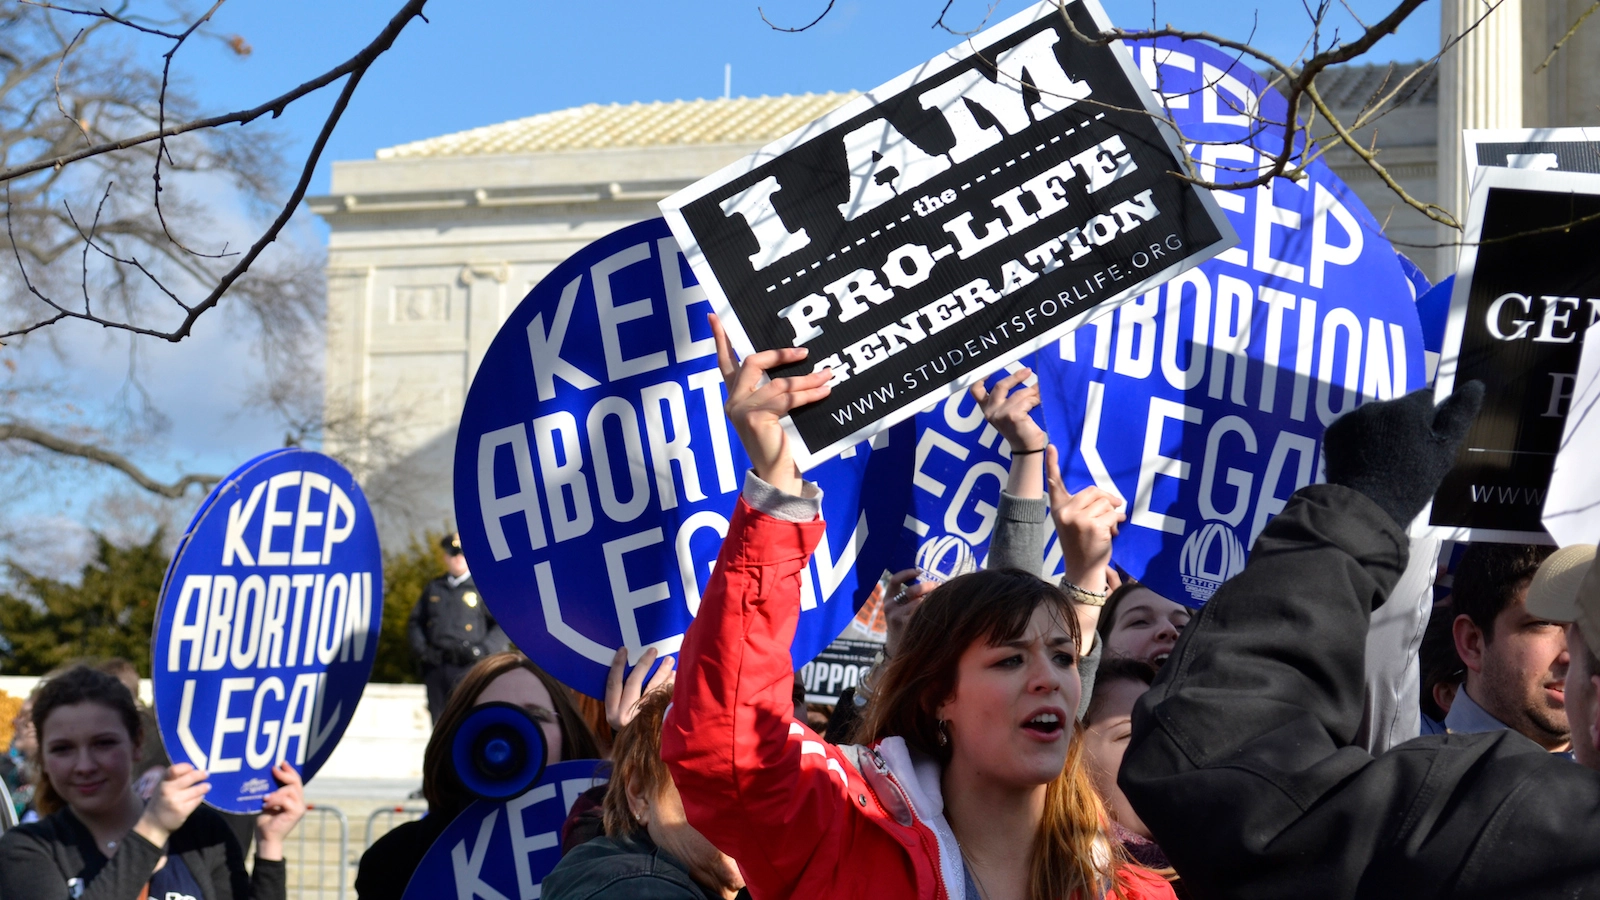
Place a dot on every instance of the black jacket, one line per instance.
(451, 626)
(387, 866)
(39, 858)
(626, 868)
(1242, 763)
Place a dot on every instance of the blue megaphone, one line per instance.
(498, 751)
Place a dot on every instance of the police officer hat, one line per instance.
(451, 544)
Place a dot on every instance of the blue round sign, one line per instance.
(595, 472)
(1203, 403)
(268, 624)
(505, 848)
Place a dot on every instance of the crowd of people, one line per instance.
(1356, 714)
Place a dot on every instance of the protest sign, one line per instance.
(595, 470)
(596, 473)
(1203, 403)
(1539, 149)
(504, 849)
(268, 624)
(1572, 506)
(1433, 310)
(1526, 292)
(948, 222)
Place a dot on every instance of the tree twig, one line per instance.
(27, 434)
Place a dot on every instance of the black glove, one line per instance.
(1398, 451)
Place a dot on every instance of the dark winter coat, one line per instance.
(1243, 763)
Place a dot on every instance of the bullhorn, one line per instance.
(498, 751)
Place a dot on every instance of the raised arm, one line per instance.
(1250, 726)
(1019, 529)
(760, 785)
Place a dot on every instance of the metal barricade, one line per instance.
(318, 854)
(386, 818)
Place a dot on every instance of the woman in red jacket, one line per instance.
(972, 786)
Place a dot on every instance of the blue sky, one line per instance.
(486, 61)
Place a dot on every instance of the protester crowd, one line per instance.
(1302, 734)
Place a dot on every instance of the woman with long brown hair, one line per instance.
(388, 864)
(971, 784)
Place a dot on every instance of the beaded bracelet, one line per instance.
(1086, 597)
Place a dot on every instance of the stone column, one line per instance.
(1480, 86)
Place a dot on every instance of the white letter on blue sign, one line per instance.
(1152, 463)
(262, 758)
(272, 517)
(468, 865)
(196, 590)
(612, 316)
(628, 600)
(304, 518)
(525, 499)
(233, 538)
(225, 724)
(545, 350)
(522, 844)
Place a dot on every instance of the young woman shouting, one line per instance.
(972, 785)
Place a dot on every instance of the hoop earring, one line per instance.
(944, 733)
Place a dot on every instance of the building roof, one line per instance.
(757, 120)
(1353, 87)
(739, 120)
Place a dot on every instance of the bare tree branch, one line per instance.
(1567, 37)
(352, 71)
(14, 431)
(808, 25)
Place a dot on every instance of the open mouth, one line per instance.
(1046, 723)
(1160, 659)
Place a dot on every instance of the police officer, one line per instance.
(451, 628)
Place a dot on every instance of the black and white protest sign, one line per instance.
(1527, 290)
(948, 222)
(1541, 149)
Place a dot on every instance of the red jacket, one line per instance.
(802, 818)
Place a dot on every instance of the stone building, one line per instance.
(434, 242)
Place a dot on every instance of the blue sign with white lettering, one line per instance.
(595, 471)
(268, 624)
(505, 848)
(1203, 403)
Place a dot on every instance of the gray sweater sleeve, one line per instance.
(1019, 534)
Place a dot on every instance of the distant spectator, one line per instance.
(451, 628)
(20, 765)
(1442, 670)
(1516, 663)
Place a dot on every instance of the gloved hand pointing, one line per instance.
(1398, 451)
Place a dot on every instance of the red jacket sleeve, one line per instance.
(761, 786)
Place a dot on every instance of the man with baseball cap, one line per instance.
(1566, 589)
